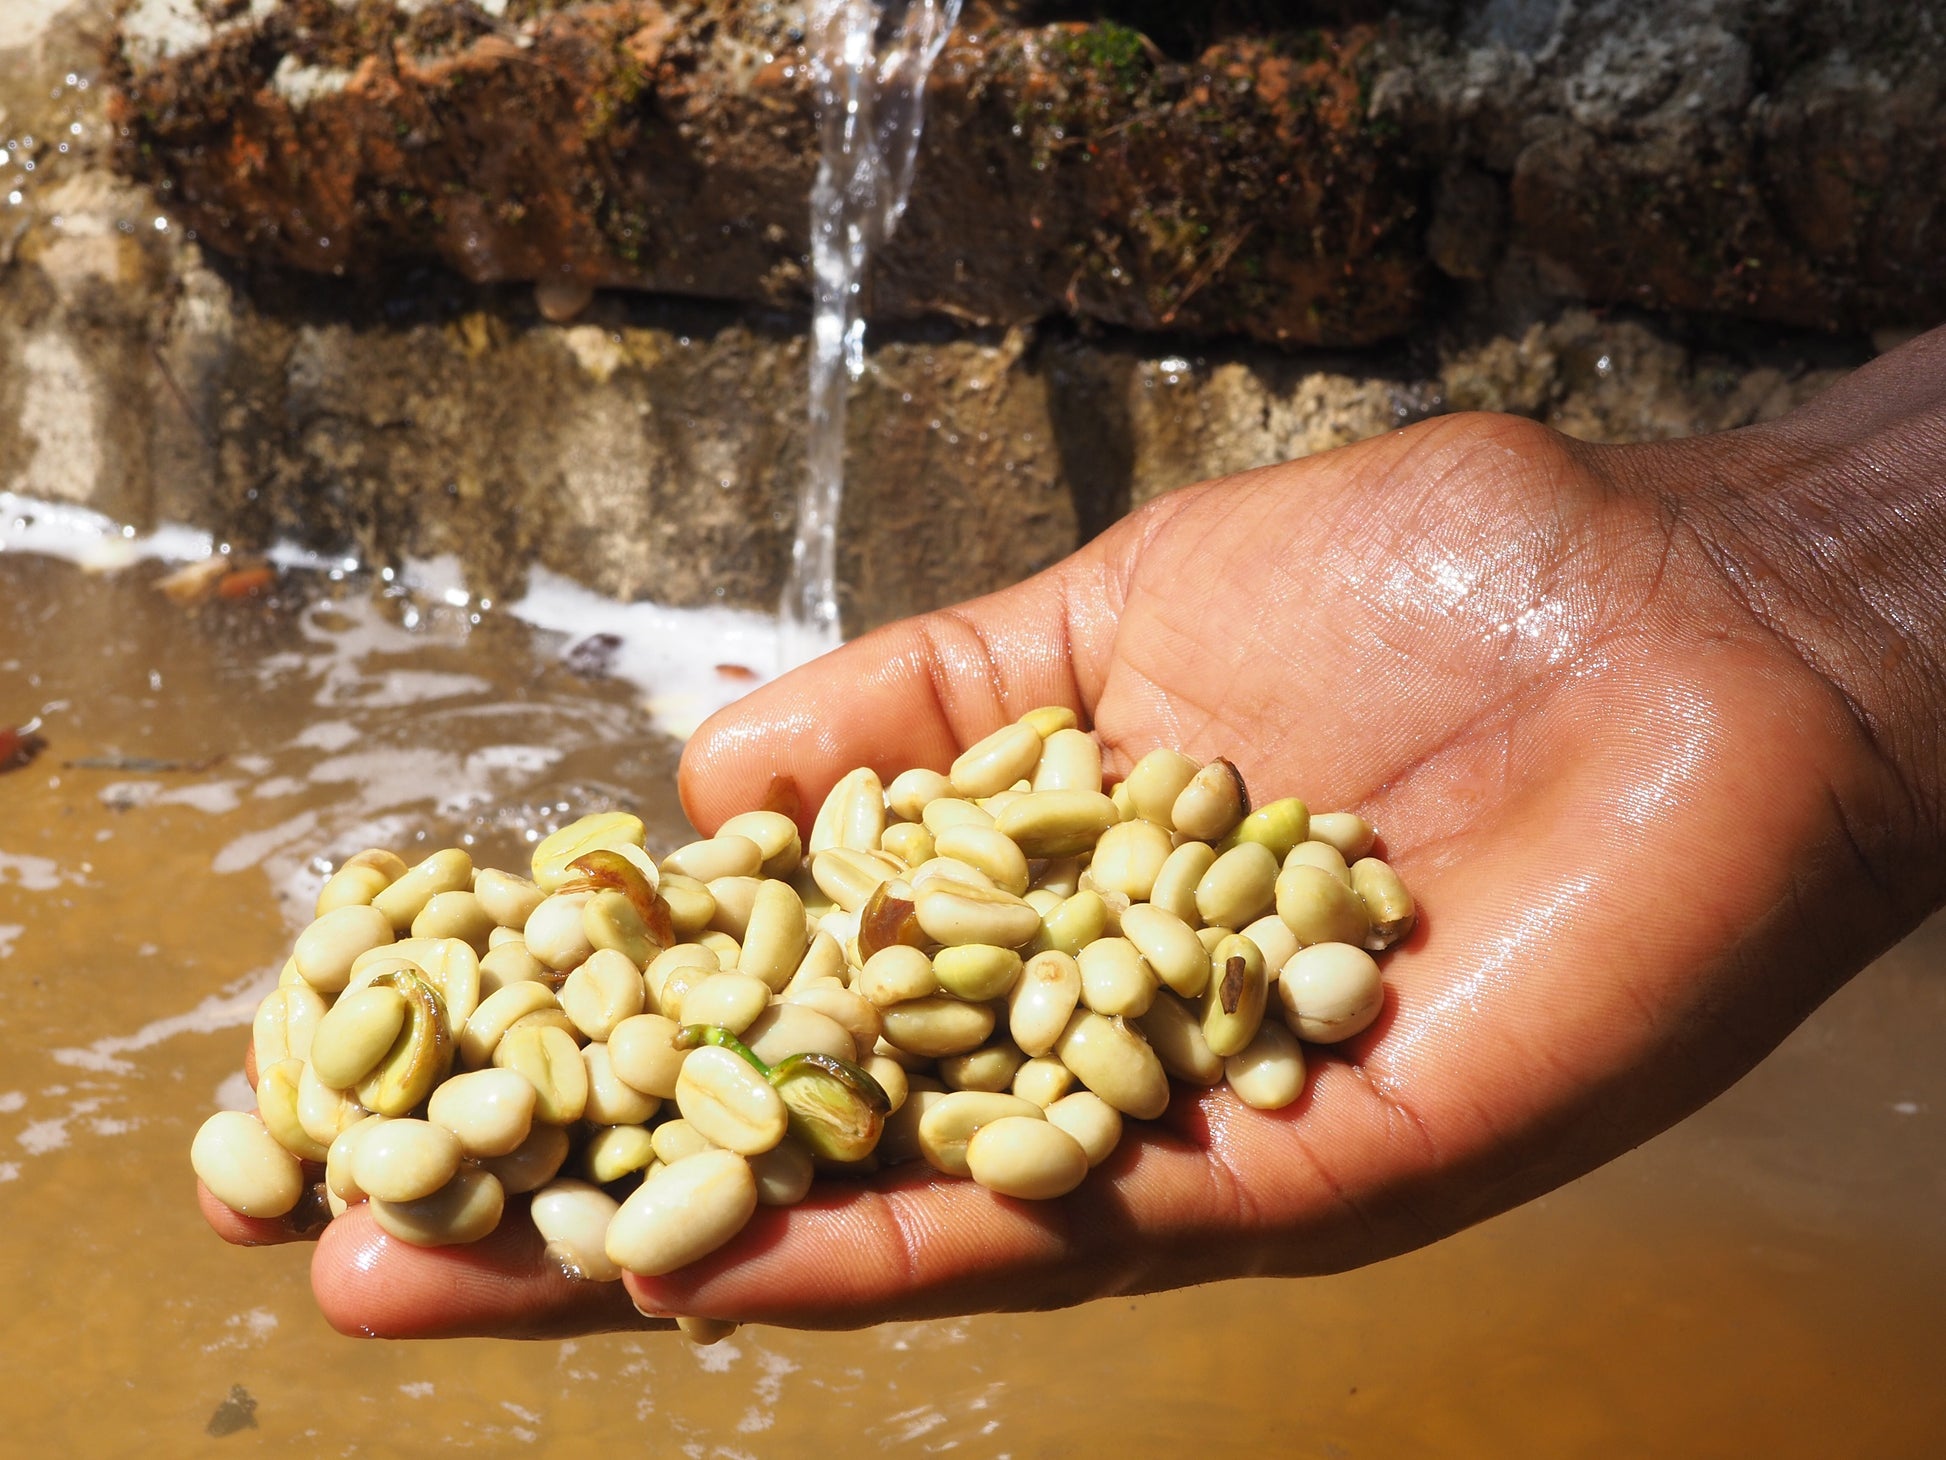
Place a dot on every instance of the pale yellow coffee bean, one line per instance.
(655, 977)
(554, 934)
(1174, 1031)
(489, 1111)
(948, 1124)
(775, 935)
(677, 983)
(404, 1160)
(1042, 1080)
(643, 1053)
(277, 1106)
(450, 870)
(1026, 1158)
(733, 1000)
(676, 1139)
(824, 957)
(548, 1019)
(501, 936)
(602, 992)
(1277, 827)
(509, 899)
(910, 842)
(511, 963)
(735, 898)
(286, 1021)
(1070, 761)
(555, 854)
(1042, 1000)
(452, 968)
(1112, 1059)
(784, 1174)
(857, 1014)
(689, 902)
(1240, 886)
(611, 1099)
(1274, 939)
(976, 971)
(1319, 854)
(533, 1162)
(937, 1026)
(1116, 978)
(244, 1167)
(684, 1211)
(1076, 923)
(1047, 721)
(989, 850)
(891, 1077)
(991, 1067)
(1175, 885)
(937, 871)
(1351, 834)
(1124, 803)
(993, 764)
(1155, 782)
(1060, 876)
(1128, 859)
(458, 915)
(617, 1151)
(849, 876)
(1387, 903)
(1233, 1006)
(1268, 1073)
(1212, 804)
(339, 1160)
(1170, 946)
(786, 1029)
(326, 950)
(610, 921)
(1057, 823)
(1330, 991)
(895, 975)
(550, 1061)
(350, 887)
(717, 856)
(289, 978)
(464, 1210)
(1093, 1122)
(912, 791)
(950, 811)
(728, 950)
(1043, 901)
(390, 864)
(853, 814)
(729, 1102)
(1318, 908)
(572, 1218)
(421, 1055)
(776, 837)
(498, 1013)
(355, 1034)
(324, 1112)
(1210, 937)
(954, 915)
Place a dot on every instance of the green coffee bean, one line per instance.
(355, 1034)
(912, 791)
(1169, 946)
(458, 915)
(849, 876)
(1318, 908)
(489, 1112)
(550, 1061)
(1156, 781)
(991, 1067)
(532, 1163)
(775, 835)
(1048, 721)
(404, 1160)
(937, 1026)
(853, 814)
(555, 935)
(783, 1174)
(464, 1210)
(610, 920)
(244, 1167)
(1056, 822)
(775, 935)
(732, 1000)
(729, 1102)
(1076, 923)
(509, 900)
(602, 992)
(419, 1057)
(948, 1124)
(1240, 886)
(1026, 1158)
(717, 856)
(322, 1111)
(572, 1218)
(1116, 978)
(676, 1139)
(611, 1099)
(642, 1051)
(895, 975)
(976, 971)
(616, 1151)
(956, 915)
(1175, 1032)
(689, 902)
(1322, 855)
(1278, 827)
(990, 850)
(1274, 939)
(1330, 992)
(1267, 1073)
(996, 762)
(1212, 804)
(1112, 1059)
(1042, 1001)
(1351, 834)
(1070, 761)
(1095, 1124)
(555, 855)
(1042, 1080)
(684, 1211)
(1128, 859)
(1233, 1005)
(1060, 876)
(325, 950)
(277, 1087)
(1387, 903)
(1175, 885)
(852, 1012)
(941, 870)
(498, 1013)
(511, 963)
(910, 842)
(350, 887)
(405, 898)
(285, 1024)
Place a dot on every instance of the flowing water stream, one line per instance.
(869, 63)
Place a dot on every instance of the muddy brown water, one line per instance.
(1770, 1277)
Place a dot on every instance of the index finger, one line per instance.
(914, 693)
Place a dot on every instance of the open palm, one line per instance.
(1627, 799)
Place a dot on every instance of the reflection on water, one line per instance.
(1766, 1279)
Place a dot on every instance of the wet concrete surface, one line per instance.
(1766, 1279)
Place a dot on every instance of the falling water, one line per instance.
(871, 95)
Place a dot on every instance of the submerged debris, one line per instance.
(19, 745)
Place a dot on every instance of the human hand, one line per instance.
(1634, 748)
